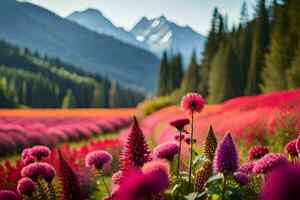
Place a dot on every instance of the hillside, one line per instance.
(40, 30)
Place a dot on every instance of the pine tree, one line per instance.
(244, 15)
(282, 49)
(69, 100)
(162, 86)
(293, 74)
(97, 100)
(114, 96)
(260, 46)
(191, 79)
(175, 74)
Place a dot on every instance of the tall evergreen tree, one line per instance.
(114, 96)
(259, 49)
(97, 100)
(191, 79)
(162, 86)
(69, 100)
(176, 73)
(244, 15)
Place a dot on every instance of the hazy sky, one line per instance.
(125, 13)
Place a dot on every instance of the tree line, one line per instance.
(30, 80)
(256, 56)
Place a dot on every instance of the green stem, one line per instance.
(191, 150)
(178, 167)
(223, 186)
(100, 173)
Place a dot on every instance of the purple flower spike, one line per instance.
(226, 159)
(39, 152)
(166, 150)
(8, 195)
(241, 178)
(97, 159)
(26, 187)
(268, 163)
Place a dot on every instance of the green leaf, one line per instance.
(215, 177)
(192, 196)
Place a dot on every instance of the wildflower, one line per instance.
(241, 178)
(156, 166)
(298, 144)
(97, 159)
(27, 158)
(180, 123)
(202, 176)
(36, 170)
(191, 103)
(26, 186)
(210, 144)
(247, 168)
(290, 148)
(136, 151)
(178, 138)
(39, 152)
(268, 163)
(226, 159)
(257, 152)
(166, 151)
(117, 177)
(8, 195)
(282, 183)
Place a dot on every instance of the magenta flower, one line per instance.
(268, 163)
(290, 148)
(257, 152)
(241, 178)
(97, 159)
(177, 137)
(117, 177)
(282, 183)
(39, 170)
(8, 195)
(26, 186)
(191, 103)
(247, 168)
(39, 152)
(188, 140)
(27, 158)
(155, 166)
(298, 144)
(226, 159)
(180, 123)
(166, 150)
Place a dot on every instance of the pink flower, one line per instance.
(8, 195)
(117, 177)
(247, 168)
(26, 186)
(27, 158)
(177, 137)
(36, 170)
(97, 159)
(166, 150)
(39, 152)
(298, 144)
(191, 103)
(180, 123)
(290, 148)
(257, 152)
(241, 178)
(268, 163)
(155, 166)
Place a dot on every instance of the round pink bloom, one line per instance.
(247, 168)
(180, 123)
(166, 150)
(26, 186)
(117, 177)
(27, 158)
(290, 148)
(36, 170)
(257, 152)
(97, 159)
(40, 151)
(241, 178)
(282, 183)
(155, 166)
(8, 195)
(192, 102)
(268, 163)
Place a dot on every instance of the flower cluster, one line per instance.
(290, 148)
(257, 152)
(269, 162)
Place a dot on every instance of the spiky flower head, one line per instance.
(97, 159)
(257, 152)
(166, 150)
(40, 152)
(202, 176)
(191, 103)
(282, 183)
(210, 144)
(226, 159)
(290, 148)
(242, 178)
(268, 163)
(179, 124)
(26, 186)
(39, 170)
(247, 168)
(27, 158)
(8, 195)
(136, 151)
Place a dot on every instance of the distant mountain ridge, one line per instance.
(40, 30)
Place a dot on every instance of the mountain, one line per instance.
(95, 21)
(38, 29)
(160, 34)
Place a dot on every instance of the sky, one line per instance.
(126, 13)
